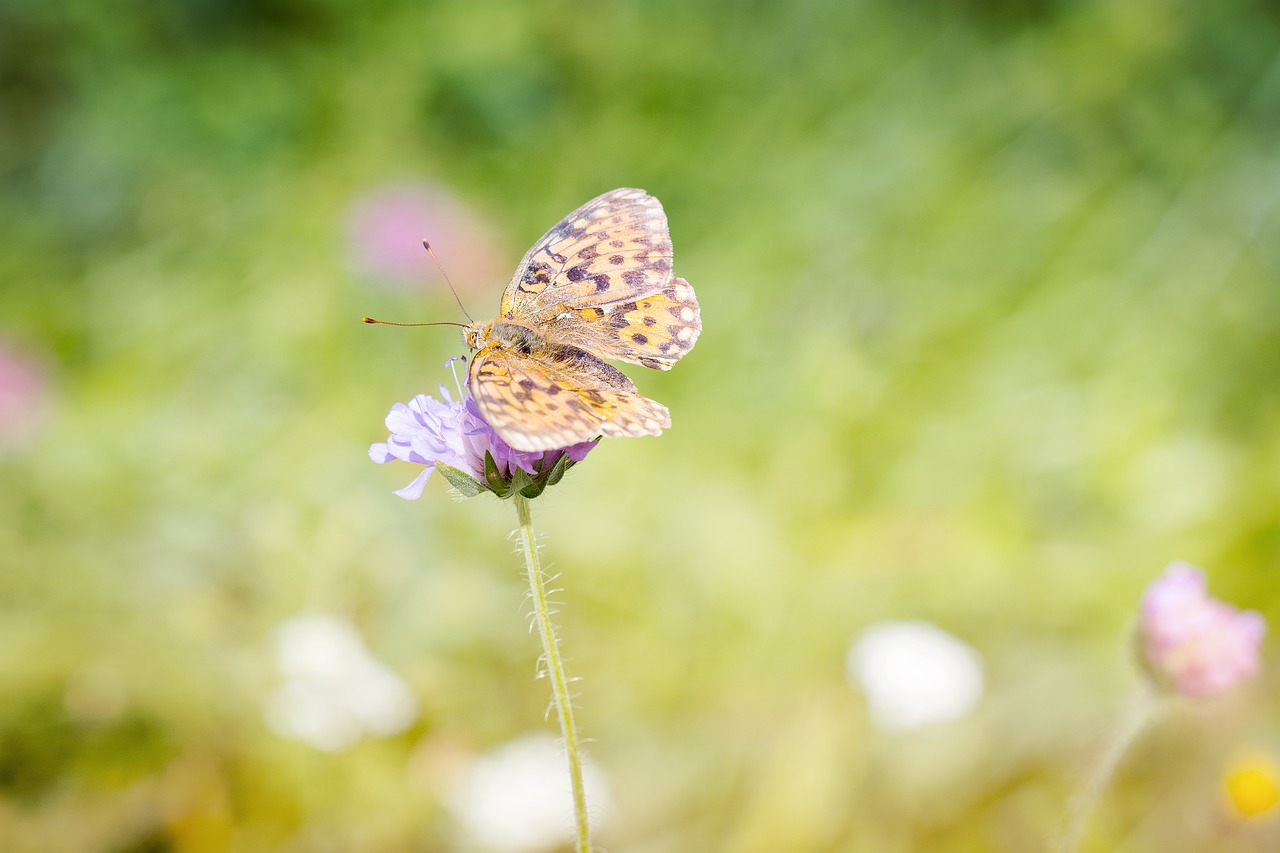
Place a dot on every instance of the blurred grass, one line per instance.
(991, 323)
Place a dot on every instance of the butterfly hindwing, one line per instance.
(655, 331)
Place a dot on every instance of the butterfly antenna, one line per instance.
(389, 323)
(440, 267)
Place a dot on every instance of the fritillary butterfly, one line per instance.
(598, 285)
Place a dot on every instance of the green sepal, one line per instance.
(467, 485)
(491, 476)
(537, 485)
(521, 482)
(557, 470)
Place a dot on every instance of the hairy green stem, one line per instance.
(1132, 721)
(555, 670)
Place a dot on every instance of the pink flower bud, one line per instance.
(1195, 644)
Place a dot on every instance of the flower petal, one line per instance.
(432, 432)
(413, 491)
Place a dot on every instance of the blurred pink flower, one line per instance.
(386, 227)
(24, 398)
(1195, 644)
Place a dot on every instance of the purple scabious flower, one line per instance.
(446, 432)
(1195, 644)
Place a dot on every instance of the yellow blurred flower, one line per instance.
(1253, 786)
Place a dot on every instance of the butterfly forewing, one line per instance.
(609, 251)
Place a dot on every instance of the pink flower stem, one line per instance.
(554, 669)
(1140, 711)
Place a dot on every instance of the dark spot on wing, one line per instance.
(635, 278)
(649, 321)
(616, 259)
(602, 283)
(640, 339)
(577, 273)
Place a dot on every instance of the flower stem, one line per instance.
(1132, 721)
(555, 669)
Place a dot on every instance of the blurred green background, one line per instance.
(991, 295)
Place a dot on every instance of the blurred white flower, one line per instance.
(517, 799)
(913, 673)
(334, 692)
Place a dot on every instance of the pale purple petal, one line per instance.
(427, 431)
(401, 419)
(578, 452)
(413, 491)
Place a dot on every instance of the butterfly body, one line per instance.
(499, 333)
(598, 285)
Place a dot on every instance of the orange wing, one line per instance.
(560, 397)
(601, 280)
(655, 331)
(612, 250)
